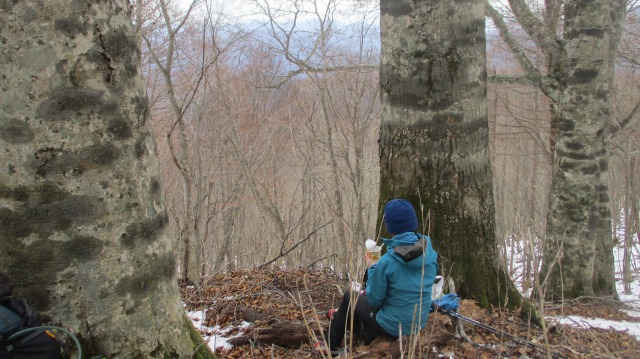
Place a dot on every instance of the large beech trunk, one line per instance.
(434, 136)
(81, 210)
(579, 245)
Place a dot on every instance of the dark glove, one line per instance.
(449, 302)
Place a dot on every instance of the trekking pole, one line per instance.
(500, 333)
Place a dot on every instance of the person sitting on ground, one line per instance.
(397, 298)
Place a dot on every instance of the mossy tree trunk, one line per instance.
(434, 136)
(579, 245)
(81, 210)
(577, 41)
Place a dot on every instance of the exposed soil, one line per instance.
(275, 300)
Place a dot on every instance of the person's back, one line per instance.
(38, 344)
(400, 284)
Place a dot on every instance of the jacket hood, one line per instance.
(406, 247)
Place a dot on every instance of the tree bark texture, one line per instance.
(434, 136)
(81, 210)
(579, 246)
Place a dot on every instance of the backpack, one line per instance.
(21, 333)
(10, 322)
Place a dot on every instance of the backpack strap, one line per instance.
(25, 335)
(10, 321)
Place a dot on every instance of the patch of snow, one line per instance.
(630, 328)
(215, 337)
(632, 299)
(632, 313)
(438, 354)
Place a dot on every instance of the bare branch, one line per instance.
(533, 75)
(192, 6)
(631, 60)
(544, 37)
(546, 83)
(619, 126)
(284, 253)
(306, 69)
(552, 13)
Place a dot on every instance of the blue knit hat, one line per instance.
(400, 217)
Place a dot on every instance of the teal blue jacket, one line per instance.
(398, 287)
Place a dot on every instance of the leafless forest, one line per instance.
(266, 116)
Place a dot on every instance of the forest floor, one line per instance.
(253, 310)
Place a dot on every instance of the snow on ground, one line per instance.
(631, 328)
(215, 337)
(632, 299)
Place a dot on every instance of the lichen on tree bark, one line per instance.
(434, 136)
(579, 246)
(81, 210)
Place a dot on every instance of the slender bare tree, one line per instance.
(341, 116)
(625, 177)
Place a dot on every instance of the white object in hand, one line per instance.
(436, 290)
(370, 244)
